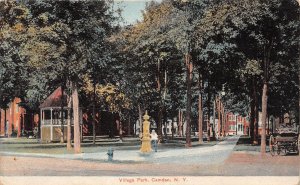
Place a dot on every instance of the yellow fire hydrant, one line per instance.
(146, 141)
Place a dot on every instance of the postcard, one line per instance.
(140, 92)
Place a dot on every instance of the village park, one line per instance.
(82, 91)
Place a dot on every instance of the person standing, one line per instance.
(154, 139)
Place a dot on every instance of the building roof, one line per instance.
(54, 100)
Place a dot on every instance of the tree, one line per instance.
(176, 26)
(261, 25)
(267, 37)
(89, 24)
(58, 41)
(12, 73)
(150, 60)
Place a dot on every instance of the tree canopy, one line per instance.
(178, 51)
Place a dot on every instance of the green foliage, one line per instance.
(55, 41)
(235, 44)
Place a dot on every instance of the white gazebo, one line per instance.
(50, 116)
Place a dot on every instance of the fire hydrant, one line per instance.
(110, 154)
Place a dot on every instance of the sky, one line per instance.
(132, 9)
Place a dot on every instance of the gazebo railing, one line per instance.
(57, 122)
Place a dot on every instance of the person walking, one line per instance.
(154, 139)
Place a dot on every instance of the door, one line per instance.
(240, 129)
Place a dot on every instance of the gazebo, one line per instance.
(50, 114)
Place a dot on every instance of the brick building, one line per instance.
(236, 125)
(18, 120)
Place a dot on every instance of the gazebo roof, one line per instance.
(54, 100)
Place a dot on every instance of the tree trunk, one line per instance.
(0, 117)
(256, 135)
(252, 120)
(223, 121)
(200, 112)
(208, 114)
(39, 128)
(264, 116)
(265, 97)
(140, 119)
(189, 70)
(62, 139)
(200, 119)
(159, 113)
(77, 144)
(5, 122)
(299, 98)
(120, 127)
(159, 125)
(214, 120)
(129, 126)
(256, 116)
(172, 129)
(165, 122)
(268, 127)
(120, 130)
(94, 113)
(69, 145)
(179, 123)
(182, 122)
(219, 115)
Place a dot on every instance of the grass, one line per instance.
(244, 144)
(24, 145)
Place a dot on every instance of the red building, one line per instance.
(236, 125)
(17, 120)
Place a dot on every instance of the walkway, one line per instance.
(199, 155)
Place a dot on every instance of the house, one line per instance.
(167, 127)
(236, 125)
(18, 120)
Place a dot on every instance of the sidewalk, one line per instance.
(205, 155)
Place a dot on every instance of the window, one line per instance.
(231, 117)
(240, 127)
(47, 114)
